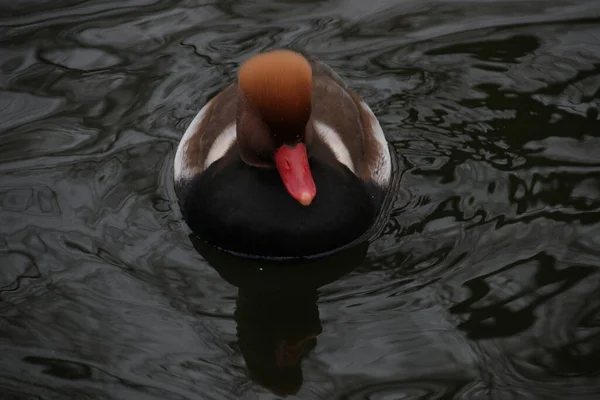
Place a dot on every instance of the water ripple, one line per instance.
(482, 283)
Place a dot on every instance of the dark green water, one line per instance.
(483, 284)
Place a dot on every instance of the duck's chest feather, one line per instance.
(247, 210)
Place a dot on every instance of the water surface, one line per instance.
(484, 282)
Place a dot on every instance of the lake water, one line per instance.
(483, 282)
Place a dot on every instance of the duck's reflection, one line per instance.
(276, 330)
(277, 315)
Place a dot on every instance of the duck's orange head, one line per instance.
(275, 91)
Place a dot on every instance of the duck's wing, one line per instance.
(210, 135)
(344, 122)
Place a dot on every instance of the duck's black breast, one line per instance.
(247, 210)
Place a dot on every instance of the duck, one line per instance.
(285, 162)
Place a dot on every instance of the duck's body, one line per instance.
(287, 162)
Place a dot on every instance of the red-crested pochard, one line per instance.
(286, 162)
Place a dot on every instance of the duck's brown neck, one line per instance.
(276, 142)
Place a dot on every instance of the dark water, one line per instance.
(483, 284)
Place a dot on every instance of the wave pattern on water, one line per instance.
(483, 282)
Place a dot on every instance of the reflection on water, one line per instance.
(484, 279)
(276, 331)
(277, 316)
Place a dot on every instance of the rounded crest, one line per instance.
(279, 84)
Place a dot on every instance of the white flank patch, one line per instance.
(182, 170)
(221, 145)
(333, 140)
(381, 172)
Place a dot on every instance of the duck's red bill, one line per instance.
(292, 164)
